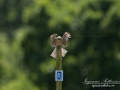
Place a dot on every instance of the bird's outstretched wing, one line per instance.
(65, 38)
(53, 40)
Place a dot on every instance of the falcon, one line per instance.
(58, 41)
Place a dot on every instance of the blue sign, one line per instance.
(58, 75)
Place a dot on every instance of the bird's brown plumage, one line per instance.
(59, 41)
(65, 38)
(53, 40)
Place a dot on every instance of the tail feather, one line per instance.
(54, 53)
(64, 52)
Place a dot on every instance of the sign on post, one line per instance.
(58, 75)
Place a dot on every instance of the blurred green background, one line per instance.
(93, 50)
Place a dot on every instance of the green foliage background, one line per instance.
(93, 50)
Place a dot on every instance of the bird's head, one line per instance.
(59, 37)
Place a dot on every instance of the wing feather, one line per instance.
(65, 38)
(53, 40)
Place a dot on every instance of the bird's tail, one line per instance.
(63, 52)
(54, 53)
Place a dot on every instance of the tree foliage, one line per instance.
(93, 51)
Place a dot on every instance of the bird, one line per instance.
(58, 41)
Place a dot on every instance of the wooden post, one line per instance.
(58, 42)
(59, 66)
